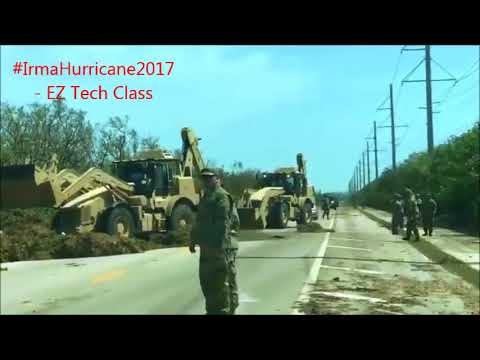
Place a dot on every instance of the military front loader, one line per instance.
(283, 195)
(153, 194)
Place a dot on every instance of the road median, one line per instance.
(452, 256)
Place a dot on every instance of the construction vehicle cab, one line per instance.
(147, 176)
(292, 181)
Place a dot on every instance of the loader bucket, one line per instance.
(24, 186)
(250, 218)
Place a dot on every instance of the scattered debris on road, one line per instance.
(407, 297)
(336, 279)
(312, 227)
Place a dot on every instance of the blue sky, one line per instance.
(263, 104)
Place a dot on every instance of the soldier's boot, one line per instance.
(395, 229)
(407, 235)
(417, 234)
(425, 231)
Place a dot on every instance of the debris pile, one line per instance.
(27, 235)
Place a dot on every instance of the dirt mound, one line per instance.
(27, 235)
(312, 227)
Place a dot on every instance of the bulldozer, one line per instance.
(283, 195)
(152, 194)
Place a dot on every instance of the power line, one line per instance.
(465, 76)
(414, 69)
(441, 67)
(397, 66)
(448, 93)
(405, 133)
(468, 71)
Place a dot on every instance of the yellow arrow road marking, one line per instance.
(108, 276)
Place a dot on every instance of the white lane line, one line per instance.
(350, 248)
(388, 312)
(346, 239)
(313, 275)
(351, 296)
(351, 269)
(245, 298)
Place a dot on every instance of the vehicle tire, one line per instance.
(306, 214)
(56, 224)
(119, 222)
(279, 216)
(182, 218)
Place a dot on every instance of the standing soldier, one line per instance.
(397, 214)
(412, 214)
(429, 210)
(419, 201)
(326, 208)
(216, 218)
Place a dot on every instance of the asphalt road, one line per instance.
(279, 272)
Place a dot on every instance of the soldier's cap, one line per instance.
(207, 172)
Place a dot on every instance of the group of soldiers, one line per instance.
(415, 209)
(217, 223)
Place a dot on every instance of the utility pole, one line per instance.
(428, 79)
(428, 86)
(356, 179)
(392, 126)
(375, 149)
(360, 174)
(368, 162)
(363, 167)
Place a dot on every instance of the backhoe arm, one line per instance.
(192, 158)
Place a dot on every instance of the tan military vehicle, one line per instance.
(283, 195)
(143, 195)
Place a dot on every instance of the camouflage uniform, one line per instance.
(419, 201)
(412, 214)
(429, 209)
(397, 214)
(326, 208)
(216, 217)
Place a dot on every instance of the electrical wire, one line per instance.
(441, 67)
(397, 66)
(414, 69)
